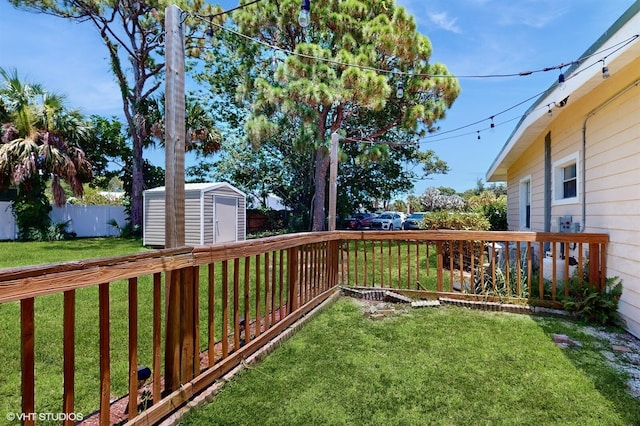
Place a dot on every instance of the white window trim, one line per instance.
(523, 203)
(557, 179)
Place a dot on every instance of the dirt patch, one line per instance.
(622, 351)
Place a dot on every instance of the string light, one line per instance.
(209, 31)
(400, 89)
(411, 74)
(561, 79)
(306, 6)
(605, 70)
(304, 16)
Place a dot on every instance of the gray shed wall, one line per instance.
(154, 214)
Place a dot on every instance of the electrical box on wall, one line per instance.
(565, 224)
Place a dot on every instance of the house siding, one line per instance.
(612, 182)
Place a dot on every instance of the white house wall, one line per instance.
(612, 185)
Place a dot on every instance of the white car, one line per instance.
(387, 221)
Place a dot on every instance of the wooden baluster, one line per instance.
(247, 301)
(267, 291)
(293, 278)
(133, 347)
(196, 319)
(258, 322)
(156, 389)
(69, 354)
(27, 332)
(225, 309)
(211, 320)
(440, 266)
(105, 357)
(236, 303)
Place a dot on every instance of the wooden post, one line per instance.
(175, 132)
(69, 320)
(175, 129)
(28, 357)
(292, 279)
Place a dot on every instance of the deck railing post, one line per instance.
(292, 278)
(172, 330)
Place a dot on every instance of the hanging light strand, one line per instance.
(411, 74)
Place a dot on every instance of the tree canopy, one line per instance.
(133, 34)
(40, 143)
(346, 64)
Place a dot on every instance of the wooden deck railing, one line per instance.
(194, 313)
(486, 265)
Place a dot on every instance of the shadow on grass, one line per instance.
(588, 356)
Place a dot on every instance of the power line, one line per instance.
(620, 44)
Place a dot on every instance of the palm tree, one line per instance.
(39, 143)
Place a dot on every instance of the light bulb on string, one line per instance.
(605, 70)
(561, 80)
(399, 90)
(478, 134)
(305, 12)
(209, 31)
(493, 125)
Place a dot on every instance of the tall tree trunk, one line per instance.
(320, 176)
(137, 184)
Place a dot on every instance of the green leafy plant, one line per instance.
(595, 306)
(126, 230)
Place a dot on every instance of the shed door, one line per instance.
(225, 219)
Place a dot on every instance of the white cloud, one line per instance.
(443, 21)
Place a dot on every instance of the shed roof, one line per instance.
(202, 187)
(620, 44)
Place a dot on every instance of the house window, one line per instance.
(525, 203)
(566, 182)
(570, 181)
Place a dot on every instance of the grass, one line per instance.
(48, 325)
(446, 366)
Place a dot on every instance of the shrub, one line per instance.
(458, 221)
(595, 306)
(496, 214)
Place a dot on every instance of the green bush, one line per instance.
(458, 221)
(455, 220)
(496, 214)
(595, 306)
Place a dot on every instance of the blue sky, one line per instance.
(471, 37)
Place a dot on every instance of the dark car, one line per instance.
(360, 221)
(413, 220)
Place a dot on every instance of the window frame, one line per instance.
(524, 202)
(558, 179)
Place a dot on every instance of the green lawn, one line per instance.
(48, 325)
(444, 365)
(427, 366)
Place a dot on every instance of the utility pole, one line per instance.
(333, 181)
(174, 189)
(174, 128)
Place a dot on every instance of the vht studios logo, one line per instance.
(54, 417)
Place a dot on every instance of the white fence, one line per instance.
(85, 221)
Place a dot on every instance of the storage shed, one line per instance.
(213, 213)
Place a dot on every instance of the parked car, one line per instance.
(413, 221)
(387, 221)
(360, 221)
